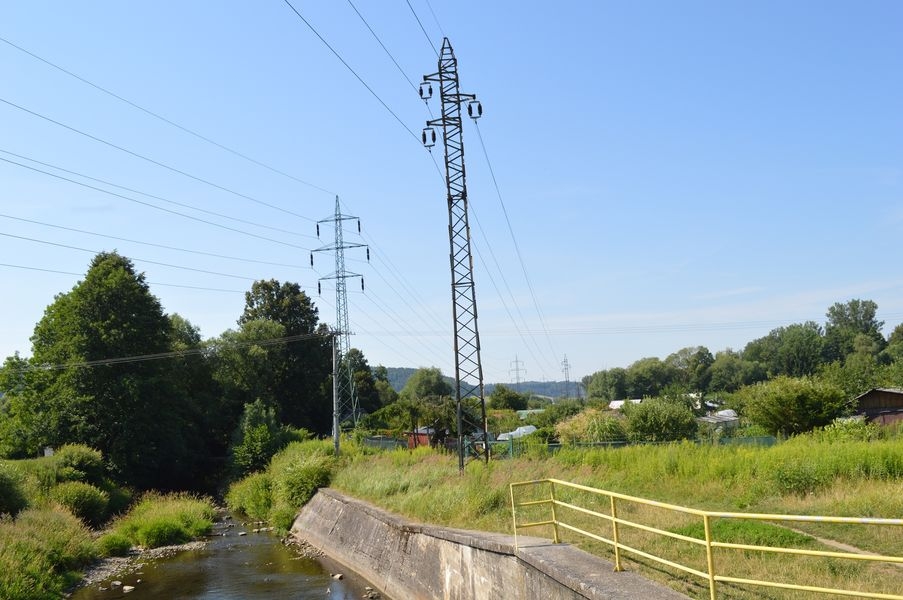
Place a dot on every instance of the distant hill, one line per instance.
(398, 376)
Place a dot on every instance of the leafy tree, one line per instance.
(129, 410)
(365, 389)
(649, 376)
(249, 367)
(788, 405)
(426, 383)
(300, 380)
(729, 372)
(503, 397)
(693, 366)
(894, 350)
(259, 436)
(795, 350)
(845, 321)
(800, 351)
(387, 394)
(659, 420)
(608, 385)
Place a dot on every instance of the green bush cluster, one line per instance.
(41, 552)
(292, 478)
(83, 500)
(161, 520)
(12, 500)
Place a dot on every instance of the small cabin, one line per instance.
(881, 405)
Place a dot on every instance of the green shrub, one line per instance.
(252, 496)
(159, 520)
(40, 552)
(84, 464)
(83, 500)
(658, 420)
(113, 544)
(12, 500)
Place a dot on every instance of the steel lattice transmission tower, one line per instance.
(345, 400)
(471, 403)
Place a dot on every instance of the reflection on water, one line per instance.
(233, 567)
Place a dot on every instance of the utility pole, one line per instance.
(469, 398)
(344, 397)
(517, 371)
(566, 368)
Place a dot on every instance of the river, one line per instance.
(231, 567)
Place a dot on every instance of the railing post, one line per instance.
(614, 527)
(556, 539)
(709, 557)
(513, 514)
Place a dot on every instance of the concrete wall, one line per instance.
(411, 561)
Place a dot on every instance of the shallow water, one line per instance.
(233, 567)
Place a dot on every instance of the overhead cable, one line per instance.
(165, 120)
(155, 197)
(164, 246)
(353, 72)
(154, 162)
(190, 287)
(167, 210)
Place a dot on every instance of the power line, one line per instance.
(432, 12)
(425, 34)
(166, 210)
(520, 258)
(164, 119)
(155, 162)
(383, 46)
(190, 287)
(155, 197)
(164, 246)
(104, 362)
(353, 72)
(144, 260)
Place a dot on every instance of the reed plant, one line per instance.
(41, 553)
(163, 520)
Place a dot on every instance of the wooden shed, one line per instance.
(881, 405)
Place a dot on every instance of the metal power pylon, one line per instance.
(344, 398)
(471, 403)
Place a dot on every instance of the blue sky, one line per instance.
(674, 174)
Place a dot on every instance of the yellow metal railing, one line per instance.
(539, 499)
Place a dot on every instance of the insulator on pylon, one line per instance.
(429, 137)
(311, 259)
(362, 284)
(368, 253)
(319, 289)
(318, 230)
(474, 109)
(358, 225)
(426, 90)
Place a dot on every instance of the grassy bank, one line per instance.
(806, 475)
(50, 507)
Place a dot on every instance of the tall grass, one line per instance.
(41, 552)
(162, 520)
(826, 473)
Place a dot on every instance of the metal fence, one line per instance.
(548, 493)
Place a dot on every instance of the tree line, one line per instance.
(168, 409)
(849, 345)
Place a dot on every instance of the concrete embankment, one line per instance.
(409, 561)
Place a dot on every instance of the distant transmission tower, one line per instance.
(344, 397)
(517, 371)
(566, 368)
(470, 401)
